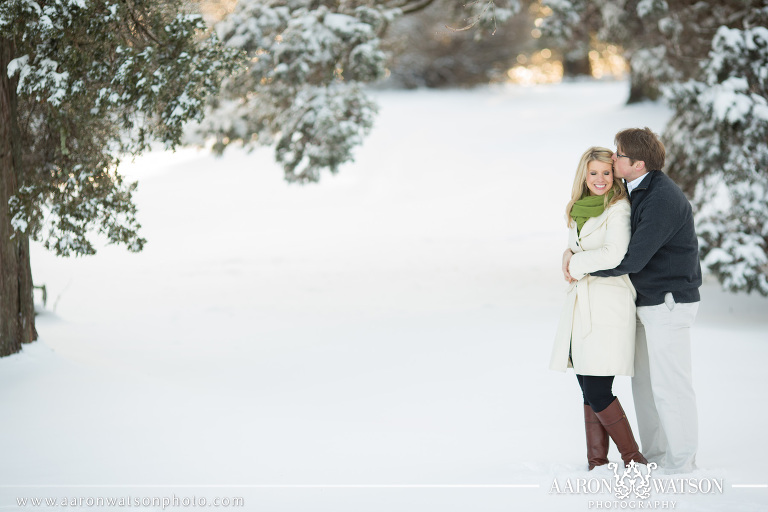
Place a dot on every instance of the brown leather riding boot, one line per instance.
(616, 424)
(597, 439)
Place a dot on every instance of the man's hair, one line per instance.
(641, 144)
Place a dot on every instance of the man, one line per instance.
(663, 263)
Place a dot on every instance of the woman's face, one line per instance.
(599, 177)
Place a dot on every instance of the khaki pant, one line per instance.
(662, 387)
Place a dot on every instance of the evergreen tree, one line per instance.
(82, 83)
(717, 140)
(307, 62)
(301, 89)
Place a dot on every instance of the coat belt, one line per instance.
(581, 289)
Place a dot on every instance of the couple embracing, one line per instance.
(633, 267)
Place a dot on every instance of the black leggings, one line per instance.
(597, 391)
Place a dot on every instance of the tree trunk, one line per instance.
(26, 298)
(576, 64)
(641, 89)
(17, 316)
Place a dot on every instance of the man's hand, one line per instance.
(566, 261)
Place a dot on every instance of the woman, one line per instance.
(596, 335)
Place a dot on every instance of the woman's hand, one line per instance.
(566, 261)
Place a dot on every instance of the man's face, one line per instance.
(621, 166)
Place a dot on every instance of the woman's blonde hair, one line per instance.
(580, 189)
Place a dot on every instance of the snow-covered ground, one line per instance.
(377, 342)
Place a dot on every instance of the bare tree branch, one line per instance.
(416, 6)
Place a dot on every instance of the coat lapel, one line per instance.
(592, 224)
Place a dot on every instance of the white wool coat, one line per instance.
(597, 324)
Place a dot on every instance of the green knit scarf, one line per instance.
(588, 206)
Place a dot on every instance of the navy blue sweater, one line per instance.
(663, 253)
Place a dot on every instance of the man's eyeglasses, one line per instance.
(619, 155)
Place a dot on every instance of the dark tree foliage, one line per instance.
(85, 83)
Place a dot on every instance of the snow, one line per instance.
(344, 24)
(43, 77)
(390, 326)
(18, 221)
(184, 104)
(19, 65)
(647, 7)
(730, 99)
